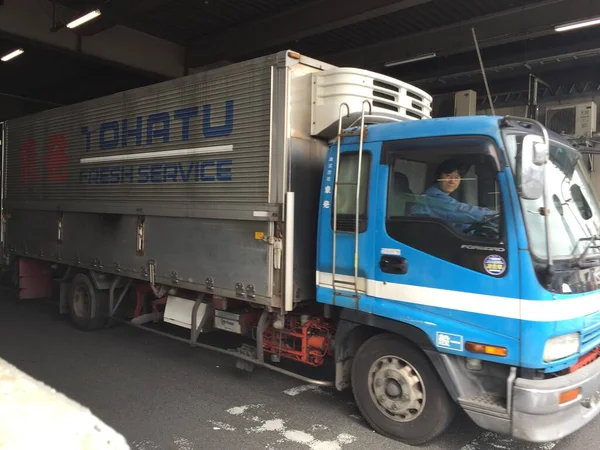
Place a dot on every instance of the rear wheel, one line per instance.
(398, 391)
(88, 307)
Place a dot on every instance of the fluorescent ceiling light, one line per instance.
(575, 25)
(12, 55)
(83, 19)
(409, 60)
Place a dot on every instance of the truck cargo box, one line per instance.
(183, 183)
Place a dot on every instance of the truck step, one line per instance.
(345, 282)
(487, 403)
(345, 294)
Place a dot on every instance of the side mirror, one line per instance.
(533, 157)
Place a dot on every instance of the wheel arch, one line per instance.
(356, 327)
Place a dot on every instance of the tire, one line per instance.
(389, 372)
(88, 307)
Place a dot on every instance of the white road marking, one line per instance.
(490, 441)
(183, 443)
(268, 425)
(308, 388)
(284, 434)
(325, 392)
(346, 438)
(298, 436)
(300, 389)
(275, 445)
(238, 410)
(221, 426)
(144, 445)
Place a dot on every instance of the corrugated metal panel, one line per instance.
(218, 253)
(47, 172)
(182, 20)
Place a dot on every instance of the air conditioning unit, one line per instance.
(460, 103)
(575, 120)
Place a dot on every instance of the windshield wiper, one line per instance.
(583, 255)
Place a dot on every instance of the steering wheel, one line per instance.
(483, 228)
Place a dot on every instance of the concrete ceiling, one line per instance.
(136, 42)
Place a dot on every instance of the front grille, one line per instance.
(590, 336)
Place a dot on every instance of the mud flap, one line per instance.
(35, 279)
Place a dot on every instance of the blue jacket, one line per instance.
(448, 209)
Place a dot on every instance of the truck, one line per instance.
(317, 221)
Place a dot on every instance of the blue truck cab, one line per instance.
(474, 247)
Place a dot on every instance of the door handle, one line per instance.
(393, 264)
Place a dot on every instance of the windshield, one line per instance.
(574, 215)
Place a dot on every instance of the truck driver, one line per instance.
(461, 215)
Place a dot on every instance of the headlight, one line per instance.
(561, 346)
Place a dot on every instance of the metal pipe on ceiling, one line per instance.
(29, 99)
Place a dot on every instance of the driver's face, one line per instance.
(449, 182)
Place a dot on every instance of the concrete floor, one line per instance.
(162, 394)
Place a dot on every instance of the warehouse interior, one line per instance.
(530, 62)
(428, 43)
(531, 58)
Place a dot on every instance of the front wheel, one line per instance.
(398, 391)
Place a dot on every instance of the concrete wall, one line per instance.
(35, 416)
(32, 19)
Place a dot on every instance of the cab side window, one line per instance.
(446, 202)
(346, 196)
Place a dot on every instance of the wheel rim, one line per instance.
(81, 302)
(397, 388)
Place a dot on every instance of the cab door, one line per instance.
(458, 286)
(351, 289)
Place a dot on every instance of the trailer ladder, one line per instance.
(340, 287)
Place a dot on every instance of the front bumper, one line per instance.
(537, 415)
